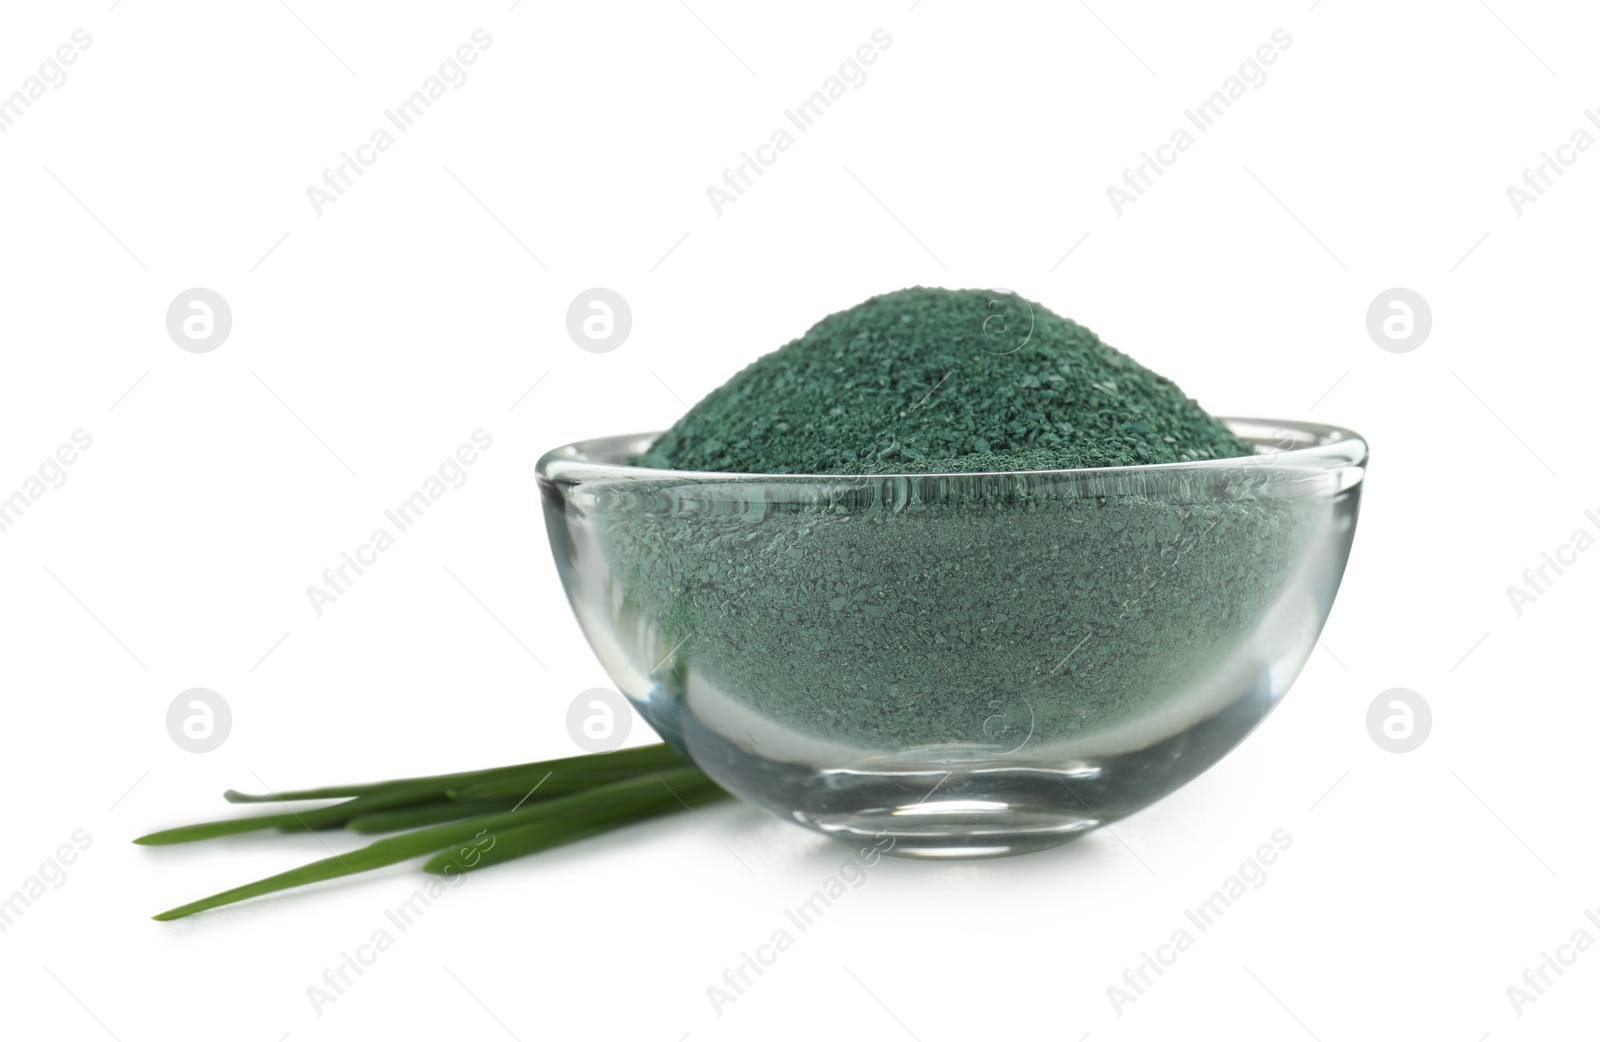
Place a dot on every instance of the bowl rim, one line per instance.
(1332, 446)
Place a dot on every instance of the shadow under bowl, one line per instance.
(957, 665)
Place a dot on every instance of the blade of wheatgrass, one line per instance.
(579, 809)
(554, 781)
(215, 829)
(520, 781)
(656, 757)
(318, 818)
(515, 841)
(425, 814)
(331, 792)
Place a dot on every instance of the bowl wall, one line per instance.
(957, 665)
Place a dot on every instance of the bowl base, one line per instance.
(954, 829)
(952, 802)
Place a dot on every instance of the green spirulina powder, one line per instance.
(935, 380)
(897, 605)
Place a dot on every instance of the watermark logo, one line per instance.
(599, 320)
(851, 75)
(199, 720)
(1542, 175)
(338, 979)
(1399, 720)
(1251, 75)
(1252, 874)
(1007, 328)
(52, 74)
(199, 320)
(599, 720)
(50, 875)
(52, 473)
(1537, 579)
(450, 75)
(451, 474)
(1543, 975)
(1399, 320)
(851, 874)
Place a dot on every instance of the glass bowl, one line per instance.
(957, 665)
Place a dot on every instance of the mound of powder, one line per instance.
(935, 381)
(913, 597)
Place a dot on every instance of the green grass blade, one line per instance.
(539, 781)
(578, 810)
(335, 816)
(519, 785)
(507, 843)
(333, 792)
(215, 829)
(644, 757)
(425, 814)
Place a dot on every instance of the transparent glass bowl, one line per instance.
(957, 665)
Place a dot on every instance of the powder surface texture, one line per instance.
(937, 381)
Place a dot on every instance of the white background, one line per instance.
(369, 341)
